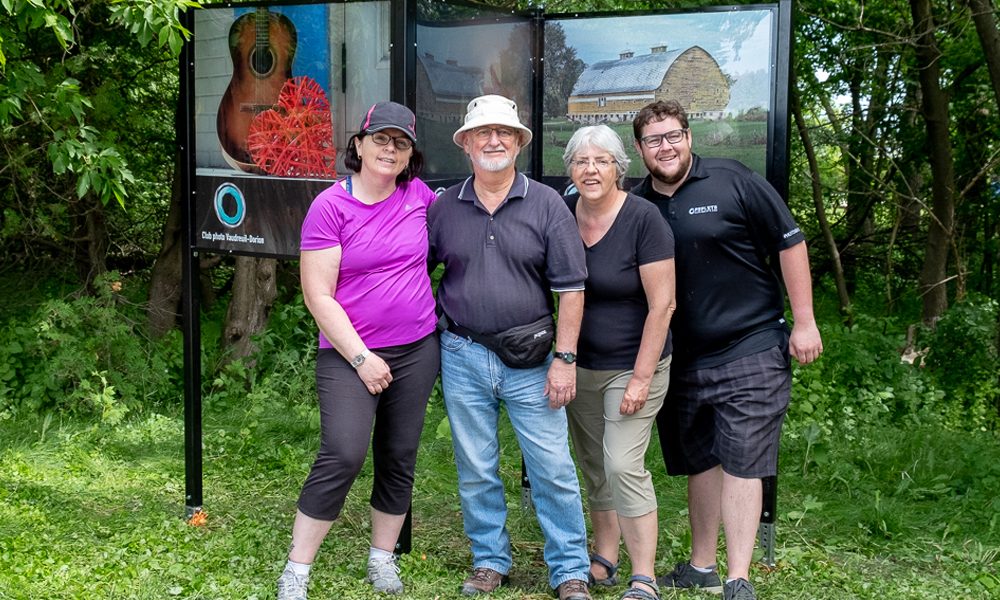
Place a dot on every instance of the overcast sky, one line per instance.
(606, 38)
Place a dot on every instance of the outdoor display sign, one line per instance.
(271, 94)
(278, 90)
(272, 114)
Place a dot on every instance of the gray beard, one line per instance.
(495, 165)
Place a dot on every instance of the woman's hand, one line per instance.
(636, 393)
(375, 374)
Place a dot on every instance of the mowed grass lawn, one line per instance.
(93, 511)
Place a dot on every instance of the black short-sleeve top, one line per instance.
(501, 269)
(615, 305)
(729, 224)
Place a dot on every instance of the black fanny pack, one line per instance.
(519, 347)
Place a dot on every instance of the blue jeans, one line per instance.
(475, 381)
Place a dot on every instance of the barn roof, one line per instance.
(636, 74)
(449, 79)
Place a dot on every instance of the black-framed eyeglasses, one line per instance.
(401, 143)
(673, 137)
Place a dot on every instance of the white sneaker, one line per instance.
(292, 586)
(383, 574)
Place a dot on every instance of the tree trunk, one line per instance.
(91, 241)
(934, 107)
(986, 26)
(165, 284)
(254, 291)
(817, 192)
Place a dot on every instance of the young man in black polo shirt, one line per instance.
(736, 243)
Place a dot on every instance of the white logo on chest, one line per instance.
(700, 210)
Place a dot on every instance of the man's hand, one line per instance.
(560, 387)
(805, 343)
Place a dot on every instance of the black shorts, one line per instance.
(729, 415)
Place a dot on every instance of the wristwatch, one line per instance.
(359, 360)
(568, 357)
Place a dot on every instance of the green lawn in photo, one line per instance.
(745, 141)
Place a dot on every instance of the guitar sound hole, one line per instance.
(262, 62)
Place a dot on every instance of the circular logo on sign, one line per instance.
(230, 207)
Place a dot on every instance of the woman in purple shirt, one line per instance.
(365, 282)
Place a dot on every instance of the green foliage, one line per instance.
(85, 355)
(963, 359)
(282, 369)
(861, 381)
(154, 20)
(96, 512)
(82, 124)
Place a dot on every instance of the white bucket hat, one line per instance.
(492, 110)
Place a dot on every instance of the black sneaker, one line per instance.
(739, 589)
(684, 576)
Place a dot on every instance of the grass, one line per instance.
(91, 511)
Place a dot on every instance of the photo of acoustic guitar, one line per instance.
(262, 45)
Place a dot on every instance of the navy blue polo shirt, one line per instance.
(500, 270)
(729, 225)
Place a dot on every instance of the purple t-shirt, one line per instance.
(383, 284)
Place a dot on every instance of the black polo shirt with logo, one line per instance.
(729, 225)
(500, 270)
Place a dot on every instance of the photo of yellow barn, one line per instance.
(614, 90)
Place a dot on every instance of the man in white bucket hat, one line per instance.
(507, 243)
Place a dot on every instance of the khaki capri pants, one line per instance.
(611, 447)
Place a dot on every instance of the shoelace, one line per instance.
(385, 568)
(575, 585)
(481, 575)
(290, 583)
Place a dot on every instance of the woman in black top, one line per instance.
(623, 354)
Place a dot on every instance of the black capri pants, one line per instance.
(347, 415)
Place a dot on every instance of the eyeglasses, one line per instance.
(401, 143)
(505, 134)
(600, 163)
(672, 137)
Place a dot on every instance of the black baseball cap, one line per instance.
(386, 115)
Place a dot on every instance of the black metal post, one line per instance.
(779, 125)
(403, 53)
(191, 313)
(404, 545)
(765, 531)
(537, 92)
(526, 502)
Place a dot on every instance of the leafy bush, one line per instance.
(283, 367)
(963, 360)
(87, 355)
(860, 380)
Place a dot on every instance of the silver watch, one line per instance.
(359, 360)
